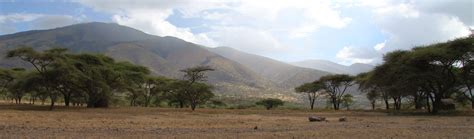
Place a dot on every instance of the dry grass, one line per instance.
(36, 121)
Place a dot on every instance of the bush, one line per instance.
(270, 103)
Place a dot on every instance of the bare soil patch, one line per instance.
(131, 122)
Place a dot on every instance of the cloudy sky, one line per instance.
(343, 31)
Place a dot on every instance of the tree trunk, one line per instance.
(181, 104)
(19, 100)
(436, 104)
(67, 99)
(373, 104)
(417, 100)
(193, 106)
(387, 106)
(397, 103)
(472, 103)
(53, 99)
(147, 101)
(428, 106)
(334, 103)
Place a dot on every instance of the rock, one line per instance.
(342, 119)
(316, 119)
(255, 128)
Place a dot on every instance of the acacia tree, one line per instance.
(6, 78)
(313, 91)
(41, 61)
(196, 93)
(436, 71)
(463, 50)
(134, 79)
(372, 96)
(99, 76)
(175, 93)
(366, 85)
(428, 74)
(16, 87)
(336, 86)
(156, 87)
(347, 101)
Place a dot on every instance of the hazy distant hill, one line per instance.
(163, 55)
(329, 66)
(285, 75)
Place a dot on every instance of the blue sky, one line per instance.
(346, 31)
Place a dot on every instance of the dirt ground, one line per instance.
(36, 121)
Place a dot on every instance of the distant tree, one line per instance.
(196, 74)
(135, 80)
(32, 82)
(198, 93)
(336, 86)
(372, 96)
(16, 87)
(427, 74)
(101, 76)
(463, 50)
(6, 78)
(194, 92)
(42, 61)
(313, 91)
(153, 87)
(217, 103)
(347, 100)
(175, 93)
(367, 85)
(270, 103)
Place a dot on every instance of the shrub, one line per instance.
(270, 103)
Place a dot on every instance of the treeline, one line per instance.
(333, 87)
(425, 76)
(94, 79)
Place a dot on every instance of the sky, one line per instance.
(342, 31)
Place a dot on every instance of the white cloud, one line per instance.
(151, 16)
(262, 16)
(351, 54)
(18, 17)
(380, 46)
(246, 39)
(38, 21)
(405, 31)
(7, 21)
(463, 9)
(410, 24)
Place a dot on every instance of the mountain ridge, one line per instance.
(333, 67)
(164, 56)
(284, 74)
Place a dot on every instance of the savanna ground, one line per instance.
(130, 122)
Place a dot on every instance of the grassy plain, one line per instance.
(130, 122)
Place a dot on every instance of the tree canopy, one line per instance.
(95, 79)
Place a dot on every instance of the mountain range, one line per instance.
(237, 74)
(326, 65)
